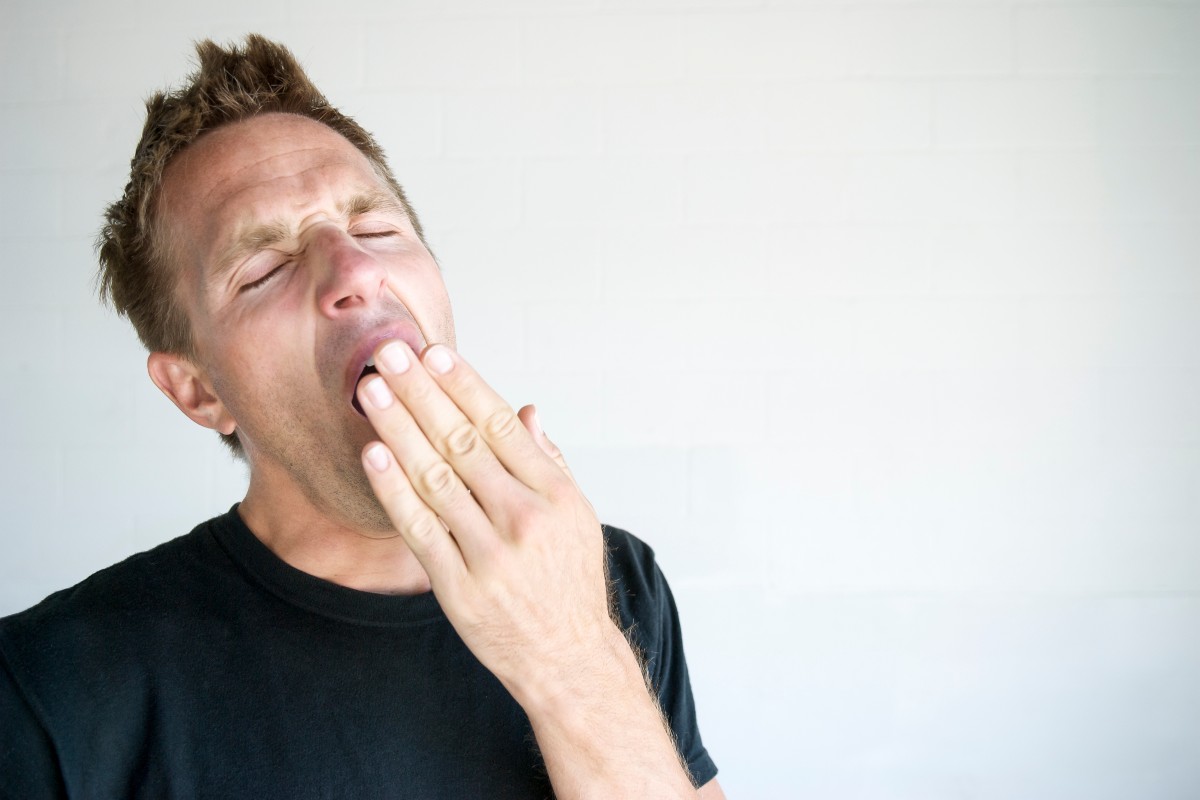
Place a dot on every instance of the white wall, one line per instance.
(878, 320)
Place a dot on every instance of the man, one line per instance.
(414, 599)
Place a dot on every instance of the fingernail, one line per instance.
(378, 393)
(438, 359)
(377, 457)
(393, 358)
(537, 422)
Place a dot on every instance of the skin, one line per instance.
(441, 485)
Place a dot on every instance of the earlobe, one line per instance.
(187, 387)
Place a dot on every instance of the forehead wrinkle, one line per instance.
(312, 178)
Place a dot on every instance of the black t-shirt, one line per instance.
(207, 667)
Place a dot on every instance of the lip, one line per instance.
(406, 332)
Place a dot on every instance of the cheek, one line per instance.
(431, 308)
(238, 380)
(255, 360)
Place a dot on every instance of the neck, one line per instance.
(304, 536)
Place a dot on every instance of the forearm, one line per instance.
(602, 734)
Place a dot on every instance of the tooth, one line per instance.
(371, 361)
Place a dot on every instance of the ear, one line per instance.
(188, 388)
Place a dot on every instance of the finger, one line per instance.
(432, 480)
(500, 426)
(444, 425)
(532, 422)
(423, 532)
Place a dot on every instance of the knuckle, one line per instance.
(463, 440)
(525, 519)
(520, 517)
(501, 423)
(424, 528)
(396, 497)
(439, 480)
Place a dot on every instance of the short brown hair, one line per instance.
(230, 84)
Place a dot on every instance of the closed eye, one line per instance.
(247, 287)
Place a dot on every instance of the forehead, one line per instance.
(267, 166)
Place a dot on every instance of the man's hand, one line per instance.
(520, 570)
(514, 553)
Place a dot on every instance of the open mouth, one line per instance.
(369, 369)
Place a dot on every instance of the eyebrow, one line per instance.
(261, 237)
(372, 202)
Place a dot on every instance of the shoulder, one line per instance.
(111, 605)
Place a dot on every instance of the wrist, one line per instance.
(605, 673)
(601, 732)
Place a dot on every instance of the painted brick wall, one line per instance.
(877, 319)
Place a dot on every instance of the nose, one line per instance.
(348, 278)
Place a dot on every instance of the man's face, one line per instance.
(295, 261)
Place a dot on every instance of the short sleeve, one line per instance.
(647, 609)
